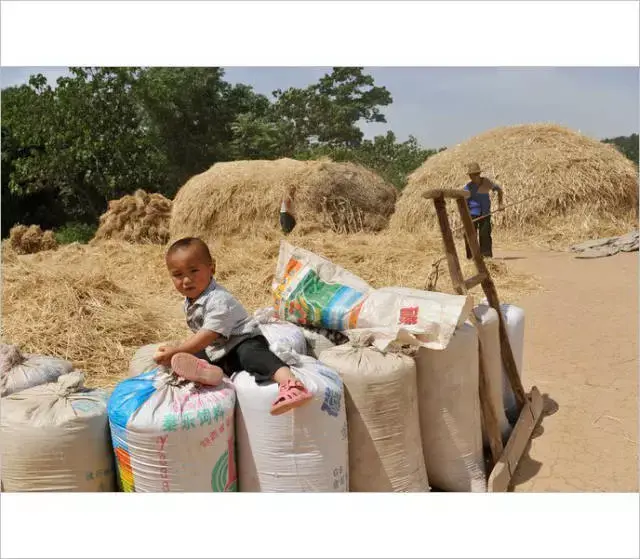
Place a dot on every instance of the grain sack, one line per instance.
(310, 290)
(321, 339)
(142, 360)
(278, 332)
(449, 404)
(19, 371)
(301, 451)
(55, 437)
(385, 449)
(514, 325)
(411, 316)
(488, 326)
(172, 435)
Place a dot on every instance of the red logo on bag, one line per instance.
(409, 315)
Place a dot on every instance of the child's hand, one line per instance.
(163, 355)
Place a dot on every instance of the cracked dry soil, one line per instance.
(581, 351)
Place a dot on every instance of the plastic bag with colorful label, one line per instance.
(170, 435)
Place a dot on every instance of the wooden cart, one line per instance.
(504, 460)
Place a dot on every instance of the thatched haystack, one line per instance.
(32, 239)
(136, 218)
(580, 186)
(244, 197)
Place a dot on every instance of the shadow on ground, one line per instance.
(528, 467)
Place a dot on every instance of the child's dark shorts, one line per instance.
(253, 356)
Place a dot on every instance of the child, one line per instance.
(224, 333)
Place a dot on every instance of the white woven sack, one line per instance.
(304, 450)
(385, 448)
(55, 437)
(279, 332)
(488, 325)
(170, 435)
(311, 290)
(142, 360)
(450, 419)
(19, 371)
(514, 320)
(411, 316)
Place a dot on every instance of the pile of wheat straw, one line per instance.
(29, 240)
(580, 187)
(96, 304)
(136, 218)
(243, 198)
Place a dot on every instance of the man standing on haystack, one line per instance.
(479, 203)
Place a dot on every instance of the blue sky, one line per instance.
(444, 106)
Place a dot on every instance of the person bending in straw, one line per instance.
(225, 338)
(479, 204)
(287, 219)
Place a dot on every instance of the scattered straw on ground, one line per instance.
(244, 198)
(136, 218)
(32, 239)
(581, 188)
(96, 304)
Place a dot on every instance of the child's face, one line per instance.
(190, 272)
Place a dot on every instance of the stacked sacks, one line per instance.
(19, 371)
(55, 437)
(304, 450)
(450, 419)
(312, 291)
(385, 449)
(172, 435)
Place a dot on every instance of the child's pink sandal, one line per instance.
(291, 394)
(191, 368)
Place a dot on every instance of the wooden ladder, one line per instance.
(504, 459)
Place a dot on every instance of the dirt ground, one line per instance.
(581, 336)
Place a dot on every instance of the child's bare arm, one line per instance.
(199, 341)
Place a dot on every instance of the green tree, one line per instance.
(256, 137)
(628, 145)
(328, 112)
(190, 112)
(85, 140)
(392, 160)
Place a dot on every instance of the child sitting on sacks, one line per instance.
(226, 339)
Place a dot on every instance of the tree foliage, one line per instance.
(82, 141)
(327, 113)
(393, 160)
(628, 145)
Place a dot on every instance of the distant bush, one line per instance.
(75, 232)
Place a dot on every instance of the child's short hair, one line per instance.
(187, 242)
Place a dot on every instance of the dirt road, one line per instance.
(581, 351)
